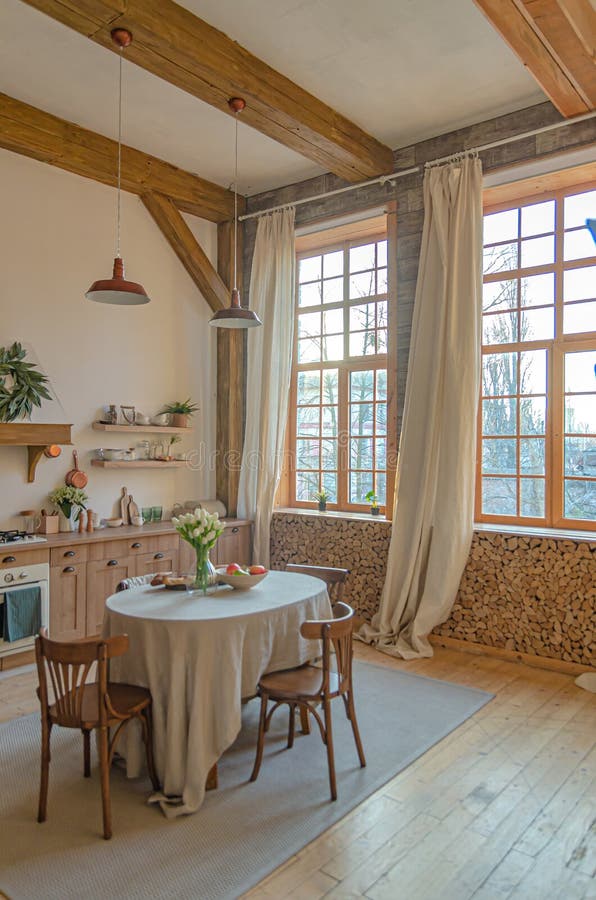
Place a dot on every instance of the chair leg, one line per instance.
(46, 729)
(351, 710)
(292, 725)
(304, 720)
(86, 753)
(260, 739)
(147, 726)
(104, 771)
(329, 744)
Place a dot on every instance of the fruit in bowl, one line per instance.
(240, 577)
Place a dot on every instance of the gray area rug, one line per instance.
(242, 832)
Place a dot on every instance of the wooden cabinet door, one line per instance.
(160, 561)
(67, 602)
(233, 546)
(103, 577)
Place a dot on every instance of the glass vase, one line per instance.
(205, 574)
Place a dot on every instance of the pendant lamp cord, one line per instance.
(236, 204)
(119, 154)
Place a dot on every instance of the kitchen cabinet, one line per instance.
(233, 546)
(68, 617)
(103, 577)
(87, 569)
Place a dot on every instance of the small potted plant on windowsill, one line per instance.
(372, 498)
(322, 497)
(180, 411)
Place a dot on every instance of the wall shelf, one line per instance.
(138, 463)
(35, 438)
(139, 429)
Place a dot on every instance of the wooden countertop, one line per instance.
(105, 534)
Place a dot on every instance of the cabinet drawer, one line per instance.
(10, 558)
(133, 546)
(159, 561)
(67, 602)
(234, 546)
(68, 555)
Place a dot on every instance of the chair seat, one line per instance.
(127, 699)
(304, 681)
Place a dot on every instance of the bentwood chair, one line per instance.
(308, 685)
(98, 705)
(335, 579)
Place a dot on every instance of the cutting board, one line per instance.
(133, 509)
(124, 506)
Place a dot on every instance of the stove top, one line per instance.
(12, 537)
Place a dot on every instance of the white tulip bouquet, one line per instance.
(201, 530)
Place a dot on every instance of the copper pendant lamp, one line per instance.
(116, 290)
(235, 316)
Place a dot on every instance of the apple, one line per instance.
(232, 569)
(239, 571)
(257, 570)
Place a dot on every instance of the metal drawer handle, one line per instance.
(70, 553)
(158, 556)
(235, 530)
(136, 545)
(112, 562)
(68, 569)
(9, 559)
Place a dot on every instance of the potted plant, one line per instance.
(322, 497)
(374, 503)
(180, 411)
(22, 386)
(70, 501)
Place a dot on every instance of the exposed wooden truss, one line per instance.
(40, 135)
(187, 249)
(176, 45)
(555, 40)
(231, 384)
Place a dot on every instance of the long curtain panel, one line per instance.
(269, 372)
(434, 510)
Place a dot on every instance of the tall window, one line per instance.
(338, 409)
(537, 453)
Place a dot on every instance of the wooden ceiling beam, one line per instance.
(32, 132)
(554, 39)
(172, 43)
(187, 249)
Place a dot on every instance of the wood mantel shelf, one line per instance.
(35, 438)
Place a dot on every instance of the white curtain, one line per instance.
(432, 527)
(269, 372)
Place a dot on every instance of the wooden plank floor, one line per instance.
(504, 807)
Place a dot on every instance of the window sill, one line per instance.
(330, 514)
(545, 533)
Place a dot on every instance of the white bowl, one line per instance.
(113, 523)
(240, 582)
(161, 420)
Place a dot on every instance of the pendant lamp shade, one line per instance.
(235, 315)
(117, 290)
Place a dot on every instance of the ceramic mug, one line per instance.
(137, 520)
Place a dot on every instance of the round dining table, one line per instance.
(201, 656)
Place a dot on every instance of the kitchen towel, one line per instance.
(22, 613)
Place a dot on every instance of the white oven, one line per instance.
(15, 579)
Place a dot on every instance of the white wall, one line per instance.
(56, 238)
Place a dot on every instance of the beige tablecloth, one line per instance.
(199, 656)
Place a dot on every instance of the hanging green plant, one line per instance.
(22, 386)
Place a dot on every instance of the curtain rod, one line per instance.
(383, 179)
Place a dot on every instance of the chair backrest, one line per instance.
(337, 632)
(335, 579)
(134, 581)
(69, 665)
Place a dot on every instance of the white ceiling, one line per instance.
(404, 70)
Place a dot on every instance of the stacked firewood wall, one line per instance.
(521, 593)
